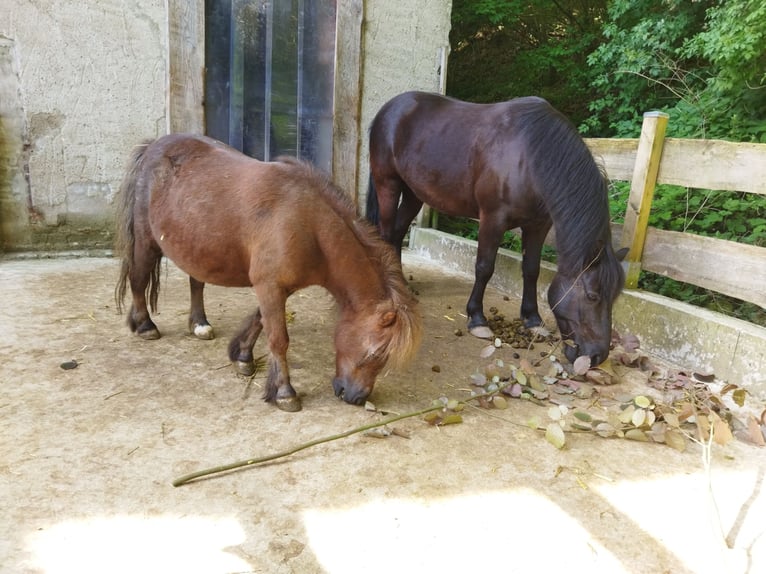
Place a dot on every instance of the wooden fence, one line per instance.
(728, 267)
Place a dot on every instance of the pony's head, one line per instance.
(582, 304)
(365, 342)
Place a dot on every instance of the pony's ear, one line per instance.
(387, 319)
(621, 253)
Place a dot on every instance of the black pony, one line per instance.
(519, 163)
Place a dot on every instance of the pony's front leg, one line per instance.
(532, 240)
(489, 241)
(198, 323)
(278, 388)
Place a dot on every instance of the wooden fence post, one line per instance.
(642, 191)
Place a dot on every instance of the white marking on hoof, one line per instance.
(482, 332)
(204, 332)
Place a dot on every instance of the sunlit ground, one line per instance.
(522, 531)
(515, 530)
(139, 545)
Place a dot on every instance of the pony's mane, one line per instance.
(574, 189)
(406, 337)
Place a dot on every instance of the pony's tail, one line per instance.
(372, 213)
(125, 241)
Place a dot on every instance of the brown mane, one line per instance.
(406, 338)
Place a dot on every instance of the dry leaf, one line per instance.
(581, 364)
(721, 431)
(674, 438)
(630, 342)
(636, 434)
(755, 432)
(487, 351)
(600, 377)
(554, 434)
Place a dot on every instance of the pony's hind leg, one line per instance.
(278, 389)
(198, 323)
(398, 206)
(241, 346)
(143, 274)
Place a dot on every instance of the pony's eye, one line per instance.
(594, 297)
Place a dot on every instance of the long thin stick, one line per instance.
(251, 461)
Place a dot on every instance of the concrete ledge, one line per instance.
(687, 336)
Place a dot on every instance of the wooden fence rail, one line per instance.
(728, 267)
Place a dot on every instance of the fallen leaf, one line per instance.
(674, 438)
(636, 434)
(451, 419)
(583, 416)
(478, 379)
(600, 377)
(500, 403)
(526, 366)
(487, 351)
(630, 342)
(755, 431)
(739, 397)
(581, 364)
(533, 422)
(721, 431)
(671, 419)
(605, 430)
(642, 401)
(380, 432)
(554, 434)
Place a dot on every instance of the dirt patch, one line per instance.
(88, 454)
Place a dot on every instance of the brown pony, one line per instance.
(231, 220)
(519, 163)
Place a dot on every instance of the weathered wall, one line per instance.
(80, 84)
(405, 45)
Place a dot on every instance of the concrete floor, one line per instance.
(87, 455)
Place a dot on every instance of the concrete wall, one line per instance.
(82, 82)
(405, 46)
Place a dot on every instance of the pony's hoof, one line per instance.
(245, 368)
(149, 335)
(482, 332)
(204, 332)
(289, 404)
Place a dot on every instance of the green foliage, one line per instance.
(503, 49)
(702, 62)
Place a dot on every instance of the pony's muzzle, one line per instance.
(350, 392)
